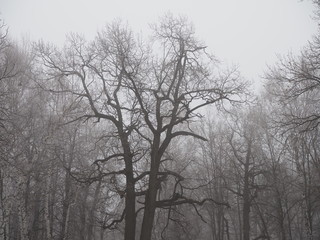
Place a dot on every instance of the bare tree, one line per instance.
(247, 167)
(214, 159)
(147, 97)
(295, 79)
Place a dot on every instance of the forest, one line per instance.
(133, 137)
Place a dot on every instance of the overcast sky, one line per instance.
(248, 33)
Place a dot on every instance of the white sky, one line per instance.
(248, 33)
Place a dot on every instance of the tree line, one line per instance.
(126, 137)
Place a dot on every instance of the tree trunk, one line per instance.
(150, 202)
(83, 212)
(36, 211)
(130, 197)
(92, 212)
(246, 196)
(149, 212)
(227, 228)
(246, 212)
(130, 218)
(46, 206)
(65, 208)
(23, 206)
(3, 209)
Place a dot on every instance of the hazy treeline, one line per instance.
(126, 137)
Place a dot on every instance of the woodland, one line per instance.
(133, 137)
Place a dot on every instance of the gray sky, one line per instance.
(248, 33)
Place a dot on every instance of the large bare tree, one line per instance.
(150, 93)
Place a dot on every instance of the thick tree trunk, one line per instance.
(150, 201)
(130, 217)
(130, 197)
(149, 212)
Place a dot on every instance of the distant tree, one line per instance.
(214, 161)
(294, 80)
(246, 168)
(294, 86)
(294, 118)
(14, 65)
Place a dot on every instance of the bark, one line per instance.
(150, 200)
(130, 198)
(281, 216)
